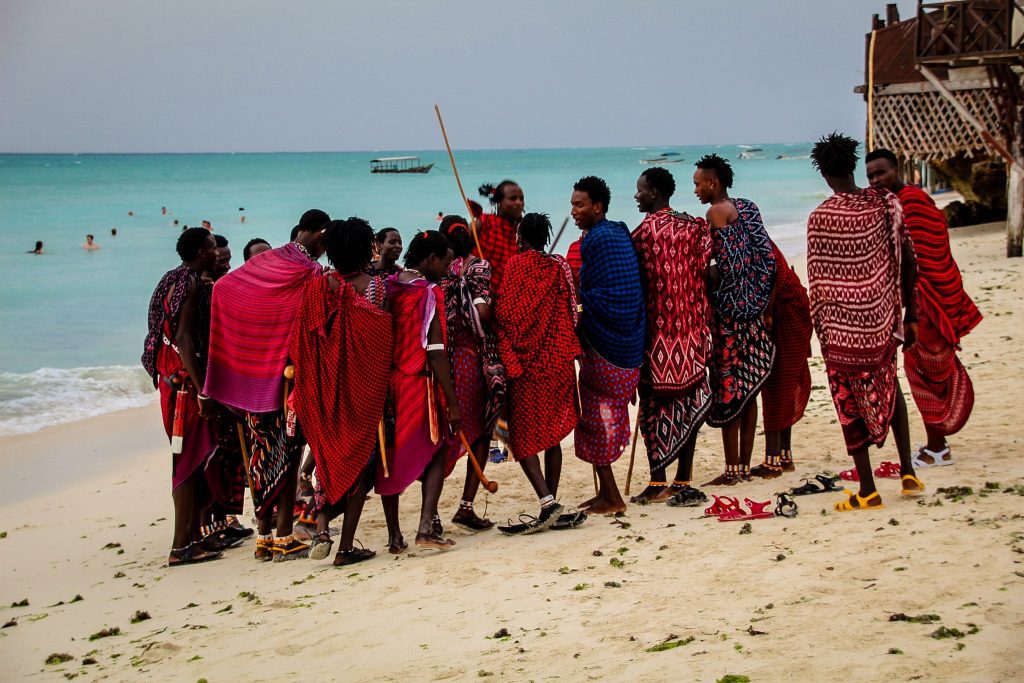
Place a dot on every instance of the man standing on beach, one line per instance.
(674, 252)
(612, 332)
(938, 380)
(174, 355)
(861, 273)
(251, 320)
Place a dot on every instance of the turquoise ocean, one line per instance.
(72, 322)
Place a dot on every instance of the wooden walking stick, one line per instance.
(245, 453)
(383, 447)
(491, 486)
(632, 455)
(551, 249)
(458, 181)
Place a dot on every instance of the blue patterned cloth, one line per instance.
(746, 265)
(613, 321)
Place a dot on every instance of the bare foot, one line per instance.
(432, 540)
(724, 479)
(585, 505)
(766, 471)
(602, 507)
(652, 494)
(397, 546)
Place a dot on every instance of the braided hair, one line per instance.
(535, 230)
(495, 193)
(348, 244)
(424, 245)
(456, 229)
(835, 155)
(719, 166)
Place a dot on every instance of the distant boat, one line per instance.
(664, 158)
(399, 165)
(793, 156)
(751, 153)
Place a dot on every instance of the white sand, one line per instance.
(70, 490)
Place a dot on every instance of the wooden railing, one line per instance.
(964, 29)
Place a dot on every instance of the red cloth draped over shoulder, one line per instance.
(533, 323)
(939, 285)
(674, 251)
(575, 261)
(498, 243)
(341, 347)
(788, 388)
(854, 243)
(251, 322)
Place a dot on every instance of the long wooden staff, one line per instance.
(551, 249)
(245, 454)
(632, 455)
(383, 448)
(458, 181)
(491, 486)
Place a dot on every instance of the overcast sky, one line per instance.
(282, 75)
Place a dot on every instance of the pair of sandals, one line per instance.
(727, 508)
(885, 470)
(551, 517)
(941, 458)
(321, 548)
(823, 483)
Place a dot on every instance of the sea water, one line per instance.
(72, 321)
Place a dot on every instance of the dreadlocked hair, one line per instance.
(191, 241)
(425, 244)
(835, 155)
(348, 244)
(717, 165)
(596, 189)
(456, 229)
(495, 193)
(535, 230)
(660, 180)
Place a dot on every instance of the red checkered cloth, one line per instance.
(498, 243)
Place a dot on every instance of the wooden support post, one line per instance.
(1015, 212)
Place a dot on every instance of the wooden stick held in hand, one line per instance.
(491, 486)
(458, 181)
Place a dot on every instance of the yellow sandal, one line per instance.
(917, 485)
(855, 502)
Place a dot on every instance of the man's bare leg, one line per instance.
(609, 500)
(396, 543)
(433, 482)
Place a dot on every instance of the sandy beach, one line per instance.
(657, 594)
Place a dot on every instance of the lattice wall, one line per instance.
(925, 126)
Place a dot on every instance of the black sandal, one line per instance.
(570, 520)
(469, 520)
(219, 541)
(821, 484)
(785, 505)
(345, 557)
(321, 546)
(193, 553)
(687, 497)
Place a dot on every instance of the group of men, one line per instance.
(695, 316)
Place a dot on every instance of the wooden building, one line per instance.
(945, 93)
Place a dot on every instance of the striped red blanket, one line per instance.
(853, 275)
(251, 322)
(939, 285)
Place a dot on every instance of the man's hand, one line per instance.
(909, 335)
(454, 418)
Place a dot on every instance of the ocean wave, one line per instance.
(34, 400)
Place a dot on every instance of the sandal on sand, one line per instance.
(888, 470)
(264, 549)
(757, 511)
(687, 497)
(785, 506)
(721, 504)
(322, 544)
(939, 458)
(467, 519)
(570, 520)
(528, 524)
(855, 502)
(397, 546)
(822, 484)
(912, 486)
(662, 493)
(345, 557)
(193, 553)
(849, 475)
(289, 548)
